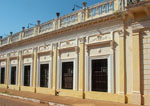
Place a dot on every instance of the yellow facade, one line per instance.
(116, 36)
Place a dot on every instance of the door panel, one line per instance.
(44, 71)
(27, 75)
(99, 75)
(67, 75)
(13, 75)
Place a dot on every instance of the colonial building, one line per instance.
(99, 52)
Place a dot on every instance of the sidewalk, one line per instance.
(62, 100)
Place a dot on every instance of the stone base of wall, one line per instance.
(13, 87)
(106, 96)
(28, 89)
(72, 93)
(146, 100)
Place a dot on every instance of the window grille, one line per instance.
(99, 75)
(2, 78)
(67, 75)
(27, 75)
(44, 71)
(13, 75)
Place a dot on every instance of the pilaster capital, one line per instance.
(86, 48)
(82, 40)
(76, 49)
(55, 45)
(8, 54)
(121, 33)
(136, 92)
(112, 44)
(19, 52)
(58, 53)
(35, 49)
(135, 34)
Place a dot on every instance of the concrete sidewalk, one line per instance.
(61, 100)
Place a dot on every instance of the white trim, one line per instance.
(58, 71)
(4, 73)
(110, 72)
(12, 65)
(74, 73)
(87, 67)
(49, 72)
(31, 73)
(38, 70)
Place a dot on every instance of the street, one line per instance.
(7, 101)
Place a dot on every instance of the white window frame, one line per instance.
(59, 75)
(31, 73)
(5, 74)
(49, 74)
(110, 71)
(12, 65)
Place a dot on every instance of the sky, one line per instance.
(14, 14)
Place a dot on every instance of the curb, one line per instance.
(33, 100)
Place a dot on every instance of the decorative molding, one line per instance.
(137, 26)
(100, 50)
(68, 43)
(131, 15)
(68, 54)
(3, 63)
(77, 49)
(3, 56)
(27, 52)
(135, 34)
(99, 38)
(86, 48)
(55, 45)
(82, 40)
(121, 33)
(67, 29)
(45, 48)
(14, 54)
(146, 31)
(136, 92)
(147, 11)
(112, 44)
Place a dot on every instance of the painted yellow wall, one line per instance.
(54, 73)
(44, 90)
(3, 86)
(14, 87)
(104, 96)
(72, 93)
(25, 88)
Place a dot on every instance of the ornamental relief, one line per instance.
(67, 55)
(43, 58)
(45, 48)
(3, 56)
(3, 63)
(99, 38)
(69, 43)
(28, 51)
(100, 51)
(27, 60)
(13, 54)
(146, 32)
(14, 61)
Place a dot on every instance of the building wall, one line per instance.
(122, 38)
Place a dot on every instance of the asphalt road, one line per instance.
(7, 101)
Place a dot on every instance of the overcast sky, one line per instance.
(17, 13)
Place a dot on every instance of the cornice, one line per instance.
(64, 30)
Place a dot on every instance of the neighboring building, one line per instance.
(101, 52)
